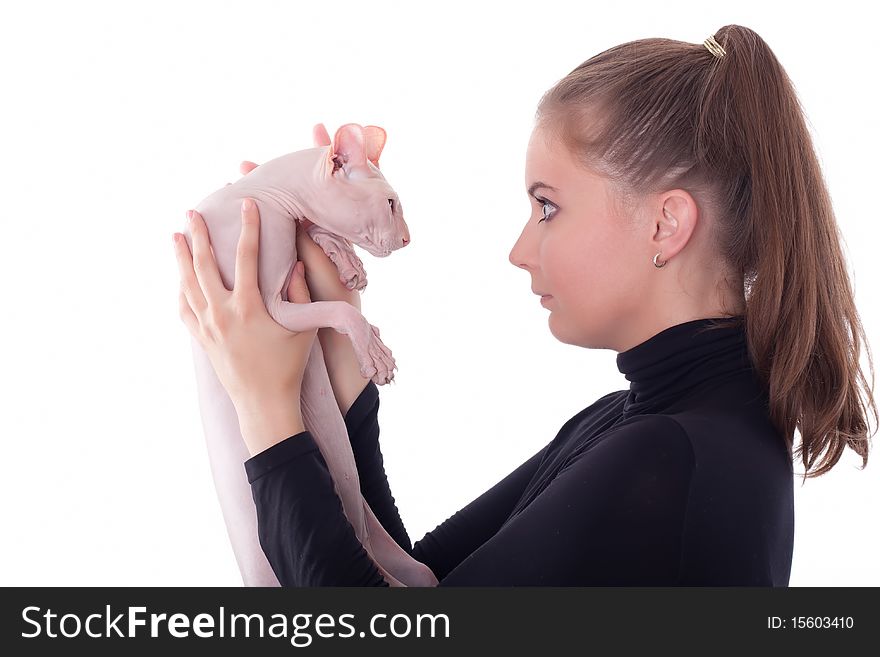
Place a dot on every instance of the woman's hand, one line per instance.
(257, 360)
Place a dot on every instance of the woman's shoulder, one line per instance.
(644, 443)
(745, 442)
(724, 446)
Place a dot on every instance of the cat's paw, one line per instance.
(374, 357)
(352, 274)
(342, 255)
(383, 361)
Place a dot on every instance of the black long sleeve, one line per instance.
(681, 479)
(362, 423)
(449, 543)
(301, 525)
(299, 513)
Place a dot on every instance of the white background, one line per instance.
(118, 117)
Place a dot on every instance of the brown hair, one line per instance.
(657, 114)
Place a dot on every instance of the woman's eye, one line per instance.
(543, 203)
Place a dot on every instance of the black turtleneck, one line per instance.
(679, 480)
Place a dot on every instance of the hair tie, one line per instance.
(714, 47)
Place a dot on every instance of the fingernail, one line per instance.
(189, 215)
(246, 205)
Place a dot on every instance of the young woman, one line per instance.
(679, 217)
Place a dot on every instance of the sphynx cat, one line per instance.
(337, 193)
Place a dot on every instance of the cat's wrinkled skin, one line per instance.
(338, 194)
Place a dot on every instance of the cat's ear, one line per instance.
(375, 139)
(352, 144)
(348, 148)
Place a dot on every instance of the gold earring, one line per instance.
(666, 212)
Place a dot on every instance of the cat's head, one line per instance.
(352, 198)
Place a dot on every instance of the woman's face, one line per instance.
(595, 265)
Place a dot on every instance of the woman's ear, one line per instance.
(675, 222)
(320, 136)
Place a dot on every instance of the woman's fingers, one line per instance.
(187, 315)
(189, 284)
(247, 254)
(247, 166)
(203, 262)
(319, 134)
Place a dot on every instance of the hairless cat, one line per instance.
(337, 193)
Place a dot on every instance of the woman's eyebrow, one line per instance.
(537, 184)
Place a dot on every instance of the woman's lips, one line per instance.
(545, 299)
